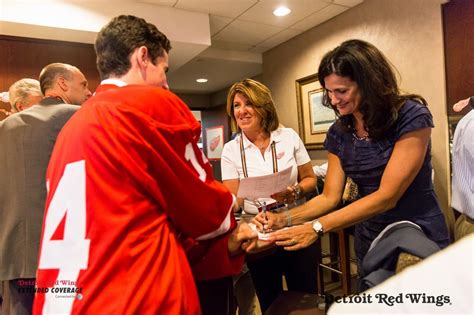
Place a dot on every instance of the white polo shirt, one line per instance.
(290, 151)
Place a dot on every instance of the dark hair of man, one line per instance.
(118, 39)
(51, 72)
(381, 99)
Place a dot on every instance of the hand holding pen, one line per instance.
(264, 211)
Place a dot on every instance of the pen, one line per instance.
(264, 210)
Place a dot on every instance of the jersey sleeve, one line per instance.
(182, 182)
(157, 148)
(208, 261)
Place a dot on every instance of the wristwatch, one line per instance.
(318, 228)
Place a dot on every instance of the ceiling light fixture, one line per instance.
(201, 80)
(281, 11)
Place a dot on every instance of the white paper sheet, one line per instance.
(264, 186)
(263, 236)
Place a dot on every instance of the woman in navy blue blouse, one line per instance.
(382, 141)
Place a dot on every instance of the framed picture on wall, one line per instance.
(197, 115)
(214, 142)
(314, 119)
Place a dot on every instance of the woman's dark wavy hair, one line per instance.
(363, 63)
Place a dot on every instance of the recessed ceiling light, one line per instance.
(201, 80)
(281, 11)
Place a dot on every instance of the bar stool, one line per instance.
(339, 261)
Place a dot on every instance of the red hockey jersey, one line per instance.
(127, 184)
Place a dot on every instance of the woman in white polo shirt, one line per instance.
(263, 147)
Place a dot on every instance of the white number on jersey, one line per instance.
(191, 156)
(70, 254)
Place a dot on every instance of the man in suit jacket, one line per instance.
(26, 140)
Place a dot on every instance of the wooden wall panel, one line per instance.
(22, 57)
(458, 25)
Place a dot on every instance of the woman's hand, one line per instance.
(294, 238)
(287, 196)
(269, 221)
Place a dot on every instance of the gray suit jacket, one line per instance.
(26, 142)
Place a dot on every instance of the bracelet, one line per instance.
(297, 192)
(288, 218)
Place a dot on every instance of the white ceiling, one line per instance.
(222, 40)
(248, 26)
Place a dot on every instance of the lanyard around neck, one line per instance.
(244, 161)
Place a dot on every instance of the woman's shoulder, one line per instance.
(284, 132)
(234, 142)
(412, 116)
(412, 108)
(337, 128)
(335, 136)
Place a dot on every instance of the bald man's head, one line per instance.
(64, 81)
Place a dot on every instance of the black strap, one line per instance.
(244, 161)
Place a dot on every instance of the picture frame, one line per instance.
(197, 115)
(214, 142)
(314, 119)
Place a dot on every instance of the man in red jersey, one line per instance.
(130, 193)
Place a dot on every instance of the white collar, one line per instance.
(274, 136)
(116, 82)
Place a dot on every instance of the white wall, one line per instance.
(410, 34)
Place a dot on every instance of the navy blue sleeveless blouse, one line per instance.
(365, 161)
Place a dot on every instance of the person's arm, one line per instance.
(306, 177)
(233, 186)
(459, 106)
(306, 183)
(316, 207)
(229, 172)
(403, 166)
(330, 197)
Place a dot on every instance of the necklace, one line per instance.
(263, 145)
(364, 137)
(365, 133)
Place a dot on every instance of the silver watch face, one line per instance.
(318, 227)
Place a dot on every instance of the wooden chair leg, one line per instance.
(334, 253)
(343, 238)
(320, 274)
